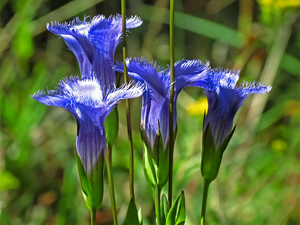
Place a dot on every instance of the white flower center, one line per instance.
(87, 92)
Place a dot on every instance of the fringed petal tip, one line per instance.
(253, 88)
(143, 61)
(130, 90)
(133, 22)
(119, 67)
(225, 78)
(62, 27)
(42, 93)
(51, 98)
(38, 94)
(185, 63)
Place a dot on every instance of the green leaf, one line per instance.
(132, 217)
(176, 215)
(111, 126)
(22, 43)
(92, 183)
(164, 208)
(8, 181)
(149, 170)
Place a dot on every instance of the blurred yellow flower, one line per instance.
(279, 145)
(279, 3)
(197, 108)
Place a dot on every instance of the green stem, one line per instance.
(171, 152)
(93, 216)
(204, 200)
(128, 113)
(157, 191)
(111, 183)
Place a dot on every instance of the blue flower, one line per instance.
(94, 44)
(156, 97)
(224, 100)
(85, 99)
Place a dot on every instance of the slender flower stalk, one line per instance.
(224, 100)
(93, 217)
(206, 184)
(128, 110)
(157, 191)
(111, 183)
(171, 115)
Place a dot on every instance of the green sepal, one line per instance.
(150, 171)
(156, 161)
(176, 215)
(212, 155)
(132, 216)
(140, 216)
(164, 209)
(111, 126)
(226, 141)
(92, 183)
(163, 168)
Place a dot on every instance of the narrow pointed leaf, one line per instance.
(176, 215)
(149, 169)
(132, 217)
(164, 208)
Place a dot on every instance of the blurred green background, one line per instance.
(258, 183)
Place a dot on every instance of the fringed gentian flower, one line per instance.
(94, 44)
(156, 97)
(85, 99)
(155, 109)
(224, 100)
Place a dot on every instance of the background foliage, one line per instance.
(259, 179)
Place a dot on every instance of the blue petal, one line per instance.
(188, 72)
(90, 142)
(84, 63)
(94, 44)
(143, 71)
(105, 34)
(152, 106)
(164, 122)
(103, 69)
(78, 30)
(222, 108)
(53, 99)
